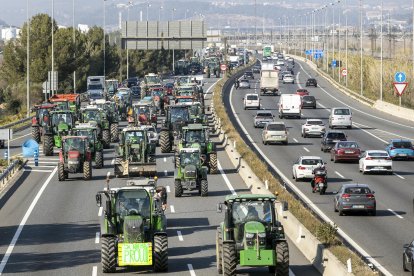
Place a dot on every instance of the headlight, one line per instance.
(249, 235)
(262, 235)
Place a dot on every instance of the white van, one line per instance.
(340, 117)
(251, 101)
(290, 105)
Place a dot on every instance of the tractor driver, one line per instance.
(252, 214)
(126, 205)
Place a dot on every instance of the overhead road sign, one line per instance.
(400, 77)
(400, 87)
(344, 72)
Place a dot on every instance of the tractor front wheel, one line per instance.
(61, 172)
(178, 188)
(160, 253)
(36, 133)
(106, 137)
(87, 170)
(229, 259)
(108, 254)
(99, 159)
(114, 132)
(204, 188)
(165, 142)
(282, 258)
(213, 163)
(48, 144)
(219, 249)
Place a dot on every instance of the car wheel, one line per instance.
(332, 158)
(321, 148)
(404, 263)
(341, 213)
(373, 213)
(364, 171)
(335, 209)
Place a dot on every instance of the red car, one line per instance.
(345, 151)
(302, 92)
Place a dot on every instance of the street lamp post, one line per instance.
(339, 41)
(280, 35)
(148, 6)
(172, 13)
(159, 13)
(360, 39)
(28, 60)
(104, 40)
(53, 45)
(333, 36)
(74, 45)
(346, 41)
(382, 68)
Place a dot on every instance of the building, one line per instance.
(10, 33)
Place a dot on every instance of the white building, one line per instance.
(83, 28)
(10, 33)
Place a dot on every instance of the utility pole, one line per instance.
(360, 38)
(28, 60)
(346, 41)
(104, 40)
(53, 52)
(255, 23)
(382, 52)
(74, 45)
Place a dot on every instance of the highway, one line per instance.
(52, 228)
(382, 236)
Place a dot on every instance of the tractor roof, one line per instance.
(250, 197)
(190, 150)
(92, 107)
(90, 125)
(195, 127)
(131, 128)
(100, 101)
(61, 112)
(45, 106)
(72, 137)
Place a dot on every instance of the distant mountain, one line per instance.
(3, 23)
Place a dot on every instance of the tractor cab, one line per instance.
(61, 123)
(92, 114)
(178, 114)
(41, 119)
(61, 104)
(144, 114)
(74, 153)
(195, 133)
(89, 130)
(190, 157)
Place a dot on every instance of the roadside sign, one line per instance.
(344, 72)
(400, 77)
(400, 87)
(223, 67)
(333, 64)
(6, 134)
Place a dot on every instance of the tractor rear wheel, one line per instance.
(177, 161)
(213, 163)
(48, 145)
(204, 188)
(219, 249)
(114, 132)
(106, 137)
(87, 170)
(178, 188)
(165, 142)
(117, 172)
(99, 159)
(36, 133)
(160, 253)
(282, 258)
(61, 172)
(229, 259)
(108, 254)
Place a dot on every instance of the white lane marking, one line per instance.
(94, 270)
(165, 159)
(100, 211)
(369, 133)
(223, 174)
(297, 81)
(23, 222)
(180, 236)
(113, 161)
(305, 199)
(31, 170)
(387, 132)
(40, 166)
(108, 174)
(48, 159)
(395, 214)
(44, 162)
(20, 137)
(191, 269)
(340, 175)
(97, 237)
(399, 176)
(208, 90)
(172, 208)
(168, 189)
(165, 172)
(306, 149)
(296, 140)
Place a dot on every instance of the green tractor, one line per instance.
(92, 113)
(75, 157)
(177, 117)
(135, 155)
(181, 67)
(197, 136)
(251, 235)
(112, 115)
(190, 174)
(89, 130)
(40, 119)
(197, 114)
(133, 233)
(59, 124)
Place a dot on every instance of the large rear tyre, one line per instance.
(48, 145)
(204, 188)
(106, 137)
(117, 171)
(36, 133)
(178, 188)
(87, 170)
(99, 159)
(160, 253)
(61, 172)
(219, 251)
(282, 258)
(229, 259)
(108, 254)
(177, 161)
(213, 163)
(165, 142)
(114, 132)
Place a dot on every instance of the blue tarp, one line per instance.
(29, 147)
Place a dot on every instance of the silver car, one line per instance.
(288, 78)
(354, 198)
(313, 127)
(262, 118)
(275, 132)
(244, 83)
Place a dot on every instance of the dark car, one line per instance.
(95, 95)
(308, 101)
(248, 75)
(311, 82)
(134, 81)
(136, 91)
(331, 138)
(1, 143)
(408, 257)
(256, 69)
(345, 151)
(354, 198)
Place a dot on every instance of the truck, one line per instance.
(95, 84)
(269, 80)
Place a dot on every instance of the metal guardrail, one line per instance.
(11, 125)
(8, 172)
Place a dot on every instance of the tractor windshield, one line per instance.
(133, 202)
(142, 110)
(86, 132)
(252, 211)
(195, 110)
(75, 143)
(134, 137)
(64, 105)
(152, 79)
(195, 136)
(59, 118)
(187, 158)
(92, 115)
(179, 114)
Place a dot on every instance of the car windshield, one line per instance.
(187, 158)
(336, 135)
(95, 96)
(251, 97)
(344, 111)
(276, 127)
(95, 86)
(194, 136)
(252, 211)
(142, 110)
(134, 137)
(245, 81)
(308, 98)
(152, 79)
(315, 122)
(179, 114)
(262, 114)
(378, 155)
(133, 202)
(357, 190)
(65, 118)
(311, 162)
(402, 145)
(75, 143)
(348, 145)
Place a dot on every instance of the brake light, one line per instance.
(368, 158)
(301, 168)
(346, 196)
(388, 158)
(34, 121)
(340, 151)
(370, 196)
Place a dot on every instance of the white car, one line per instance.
(288, 78)
(375, 161)
(303, 167)
(280, 62)
(313, 127)
(340, 117)
(251, 101)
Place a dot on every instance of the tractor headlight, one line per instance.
(262, 235)
(249, 235)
